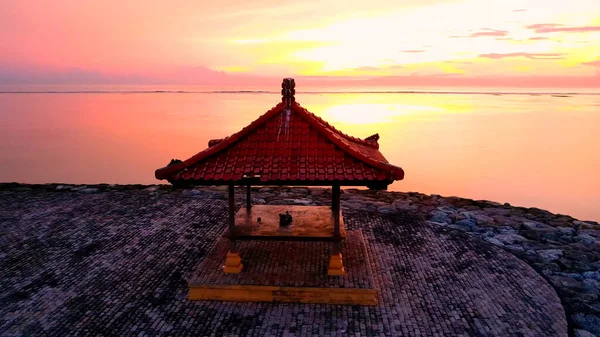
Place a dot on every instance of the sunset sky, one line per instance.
(429, 42)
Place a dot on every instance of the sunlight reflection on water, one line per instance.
(527, 150)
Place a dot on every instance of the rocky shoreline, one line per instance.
(565, 250)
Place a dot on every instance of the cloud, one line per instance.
(484, 32)
(543, 26)
(412, 51)
(489, 32)
(537, 38)
(593, 63)
(534, 56)
(583, 29)
(368, 68)
(459, 62)
(556, 28)
(519, 10)
(385, 67)
(24, 75)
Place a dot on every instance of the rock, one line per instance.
(507, 221)
(561, 281)
(583, 333)
(191, 193)
(61, 187)
(585, 238)
(147, 189)
(447, 209)
(317, 191)
(405, 205)
(499, 219)
(468, 214)
(472, 208)
(466, 223)
(536, 226)
(430, 202)
(387, 209)
(265, 190)
(547, 268)
(439, 216)
(494, 241)
(282, 202)
(22, 189)
(353, 206)
(593, 275)
(575, 276)
(458, 227)
(302, 201)
(585, 224)
(561, 221)
(591, 232)
(483, 220)
(515, 248)
(589, 323)
(89, 190)
(507, 230)
(442, 224)
(365, 206)
(591, 286)
(575, 265)
(509, 239)
(299, 191)
(566, 230)
(377, 203)
(258, 201)
(496, 211)
(538, 231)
(479, 216)
(550, 255)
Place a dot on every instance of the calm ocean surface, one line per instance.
(539, 150)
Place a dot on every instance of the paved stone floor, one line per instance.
(117, 263)
(289, 264)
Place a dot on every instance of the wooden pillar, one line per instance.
(248, 200)
(336, 266)
(335, 208)
(233, 262)
(232, 217)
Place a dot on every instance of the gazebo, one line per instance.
(288, 145)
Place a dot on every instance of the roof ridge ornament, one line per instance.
(373, 138)
(288, 91)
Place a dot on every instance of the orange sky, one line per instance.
(429, 42)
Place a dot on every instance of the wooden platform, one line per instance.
(310, 223)
(282, 294)
(287, 272)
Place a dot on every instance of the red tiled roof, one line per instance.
(308, 151)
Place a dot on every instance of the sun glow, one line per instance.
(372, 113)
(423, 40)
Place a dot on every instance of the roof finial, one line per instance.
(287, 91)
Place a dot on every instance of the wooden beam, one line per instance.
(254, 293)
(335, 208)
(248, 200)
(239, 237)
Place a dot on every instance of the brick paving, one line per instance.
(116, 264)
(289, 264)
